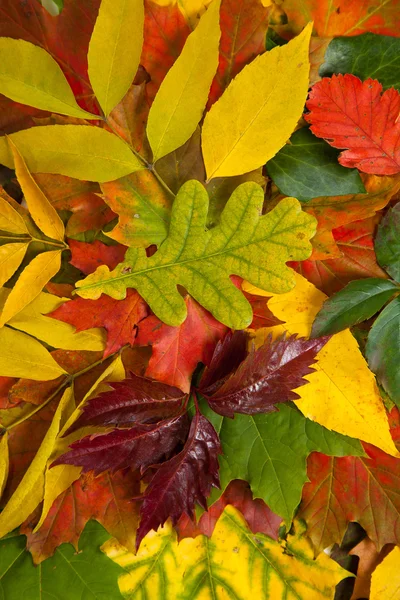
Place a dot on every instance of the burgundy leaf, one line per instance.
(227, 356)
(262, 315)
(133, 400)
(137, 447)
(183, 480)
(267, 376)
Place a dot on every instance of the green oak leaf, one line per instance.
(270, 452)
(308, 168)
(383, 349)
(387, 242)
(244, 243)
(358, 301)
(366, 55)
(87, 574)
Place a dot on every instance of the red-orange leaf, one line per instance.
(87, 257)
(352, 114)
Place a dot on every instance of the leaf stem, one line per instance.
(29, 239)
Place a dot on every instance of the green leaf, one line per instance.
(308, 168)
(366, 55)
(270, 452)
(356, 302)
(87, 574)
(383, 349)
(114, 50)
(244, 243)
(28, 74)
(387, 242)
(83, 152)
(182, 97)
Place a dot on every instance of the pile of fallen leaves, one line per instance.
(184, 414)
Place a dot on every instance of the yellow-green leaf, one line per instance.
(114, 50)
(37, 81)
(233, 564)
(23, 356)
(258, 111)
(41, 211)
(31, 488)
(385, 582)
(11, 256)
(182, 97)
(80, 151)
(10, 220)
(4, 462)
(30, 283)
(342, 394)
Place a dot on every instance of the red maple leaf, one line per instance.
(352, 114)
(87, 257)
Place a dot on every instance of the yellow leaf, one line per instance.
(385, 583)
(4, 462)
(233, 563)
(11, 256)
(10, 220)
(114, 50)
(30, 283)
(182, 97)
(258, 111)
(342, 394)
(41, 211)
(80, 151)
(38, 81)
(23, 356)
(192, 10)
(31, 488)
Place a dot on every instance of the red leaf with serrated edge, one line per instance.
(262, 316)
(137, 447)
(244, 25)
(227, 356)
(87, 257)
(352, 114)
(134, 400)
(354, 488)
(267, 376)
(165, 33)
(107, 498)
(182, 481)
(178, 350)
(118, 317)
(259, 517)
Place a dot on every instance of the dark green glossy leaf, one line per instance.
(356, 302)
(87, 574)
(366, 55)
(308, 168)
(383, 349)
(387, 243)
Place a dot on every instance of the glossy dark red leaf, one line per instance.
(182, 481)
(227, 356)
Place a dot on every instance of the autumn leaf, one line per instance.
(385, 581)
(182, 253)
(87, 257)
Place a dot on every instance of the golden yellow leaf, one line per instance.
(342, 394)
(258, 111)
(11, 256)
(233, 564)
(23, 356)
(10, 220)
(4, 462)
(114, 50)
(385, 582)
(182, 97)
(41, 211)
(31, 488)
(38, 81)
(30, 283)
(192, 10)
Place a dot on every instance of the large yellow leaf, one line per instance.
(31, 489)
(30, 283)
(234, 564)
(37, 81)
(385, 582)
(342, 394)
(258, 111)
(182, 97)
(114, 50)
(11, 256)
(10, 220)
(80, 151)
(4, 462)
(41, 211)
(23, 356)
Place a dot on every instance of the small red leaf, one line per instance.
(87, 257)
